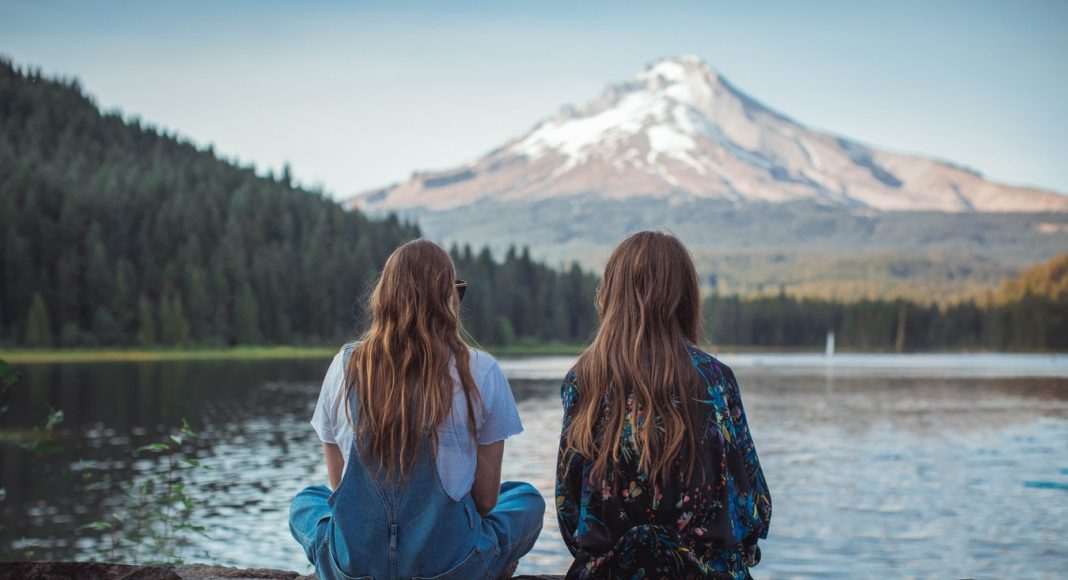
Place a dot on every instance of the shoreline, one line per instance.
(289, 352)
(296, 352)
(91, 355)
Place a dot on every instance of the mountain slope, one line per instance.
(679, 131)
(762, 201)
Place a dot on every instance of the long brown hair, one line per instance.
(400, 372)
(649, 306)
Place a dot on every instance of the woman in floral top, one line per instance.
(657, 475)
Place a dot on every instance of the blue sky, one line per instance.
(359, 94)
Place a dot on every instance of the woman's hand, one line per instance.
(335, 464)
(487, 486)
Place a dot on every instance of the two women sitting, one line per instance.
(657, 475)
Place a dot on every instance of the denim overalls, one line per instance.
(374, 527)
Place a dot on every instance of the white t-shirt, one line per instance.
(457, 451)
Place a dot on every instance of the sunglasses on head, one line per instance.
(461, 288)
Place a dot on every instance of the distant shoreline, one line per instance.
(93, 355)
(80, 355)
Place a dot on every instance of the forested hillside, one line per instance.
(116, 234)
(1030, 312)
(1049, 280)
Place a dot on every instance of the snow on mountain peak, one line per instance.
(658, 104)
(682, 70)
(678, 128)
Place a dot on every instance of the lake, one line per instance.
(879, 465)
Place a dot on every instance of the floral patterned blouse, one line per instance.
(708, 527)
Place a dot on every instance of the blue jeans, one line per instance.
(498, 539)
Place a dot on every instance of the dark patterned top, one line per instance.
(707, 527)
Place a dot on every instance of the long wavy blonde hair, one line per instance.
(649, 306)
(401, 371)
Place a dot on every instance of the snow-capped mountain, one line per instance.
(761, 200)
(680, 132)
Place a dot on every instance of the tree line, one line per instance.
(1029, 313)
(522, 300)
(117, 234)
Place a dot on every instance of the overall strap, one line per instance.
(356, 467)
(346, 352)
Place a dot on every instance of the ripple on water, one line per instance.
(919, 474)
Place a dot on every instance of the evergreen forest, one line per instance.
(117, 234)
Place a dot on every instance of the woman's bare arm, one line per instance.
(335, 464)
(487, 486)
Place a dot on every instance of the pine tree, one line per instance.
(106, 328)
(199, 302)
(100, 273)
(146, 323)
(38, 323)
(122, 307)
(246, 325)
(174, 330)
(505, 334)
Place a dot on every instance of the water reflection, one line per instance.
(872, 472)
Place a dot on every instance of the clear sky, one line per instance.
(357, 95)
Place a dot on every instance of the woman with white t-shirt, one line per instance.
(413, 424)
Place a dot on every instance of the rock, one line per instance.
(104, 571)
(84, 571)
(209, 572)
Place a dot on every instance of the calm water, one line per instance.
(901, 466)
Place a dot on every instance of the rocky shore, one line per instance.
(104, 571)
